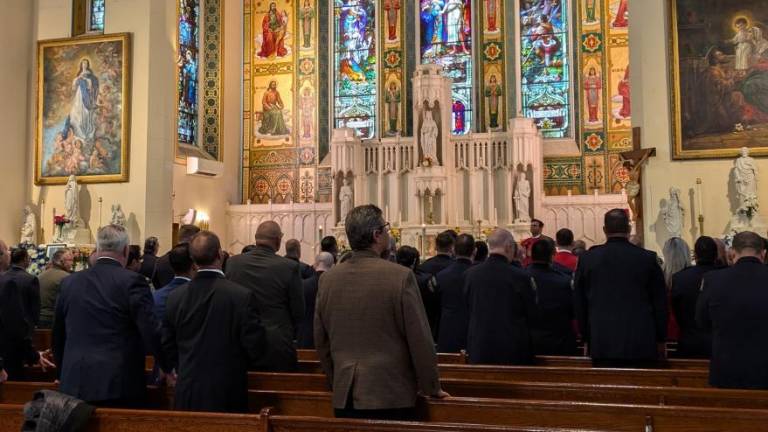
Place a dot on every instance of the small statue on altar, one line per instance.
(118, 217)
(29, 229)
(72, 203)
(745, 173)
(633, 187)
(522, 198)
(345, 201)
(673, 213)
(429, 132)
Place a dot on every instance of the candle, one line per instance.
(386, 212)
(495, 216)
(399, 218)
(700, 208)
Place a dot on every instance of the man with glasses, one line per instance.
(276, 281)
(371, 332)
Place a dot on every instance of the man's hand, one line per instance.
(44, 363)
(3, 376)
(441, 395)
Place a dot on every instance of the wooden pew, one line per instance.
(110, 420)
(17, 392)
(42, 339)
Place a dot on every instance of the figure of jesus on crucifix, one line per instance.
(633, 162)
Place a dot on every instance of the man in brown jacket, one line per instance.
(371, 331)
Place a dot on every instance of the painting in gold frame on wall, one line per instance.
(719, 72)
(83, 109)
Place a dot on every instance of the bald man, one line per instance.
(293, 252)
(276, 282)
(500, 299)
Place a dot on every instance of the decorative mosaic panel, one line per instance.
(494, 88)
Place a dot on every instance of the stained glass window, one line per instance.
(446, 39)
(97, 15)
(355, 66)
(545, 66)
(188, 55)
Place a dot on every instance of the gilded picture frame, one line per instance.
(83, 109)
(717, 104)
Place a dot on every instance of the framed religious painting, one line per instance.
(83, 109)
(720, 77)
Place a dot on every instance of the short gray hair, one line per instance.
(56, 259)
(112, 238)
(361, 223)
(499, 239)
(324, 261)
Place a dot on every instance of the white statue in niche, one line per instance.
(522, 198)
(745, 173)
(673, 213)
(29, 229)
(429, 133)
(345, 201)
(72, 203)
(118, 217)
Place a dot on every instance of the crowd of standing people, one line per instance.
(377, 315)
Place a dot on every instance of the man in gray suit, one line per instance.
(277, 284)
(370, 311)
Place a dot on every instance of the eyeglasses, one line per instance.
(384, 227)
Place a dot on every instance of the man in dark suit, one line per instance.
(733, 305)
(182, 265)
(104, 328)
(444, 244)
(16, 347)
(621, 299)
(454, 317)
(149, 258)
(306, 337)
(210, 332)
(276, 281)
(28, 286)
(371, 332)
(293, 252)
(163, 271)
(501, 302)
(552, 323)
(694, 341)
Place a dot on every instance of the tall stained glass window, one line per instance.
(355, 66)
(96, 14)
(545, 65)
(446, 39)
(188, 55)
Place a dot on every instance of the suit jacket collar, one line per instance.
(208, 274)
(366, 253)
(748, 260)
(265, 249)
(17, 268)
(463, 260)
(108, 261)
(617, 240)
(498, 258)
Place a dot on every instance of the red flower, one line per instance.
(60, 220)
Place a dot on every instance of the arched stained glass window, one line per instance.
(96, 15)
(188, 55)
(355, 66)
(446, 39)
(545, 74)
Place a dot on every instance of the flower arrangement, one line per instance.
(60, 220)
(750, 207)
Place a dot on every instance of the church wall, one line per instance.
(16, 36)
(211, 195)
(650, 64)
(146, 197)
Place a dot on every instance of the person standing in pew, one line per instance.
(104, 328)
(733, 305)
(16, 348)
(551, 324)
(621, 299)
(371, 331)
(501, 301)
(28, 285)
(306, 336)
(454, 319)
(62, 263)
(293, 252)
(276, 281)
(211, 331)
(164, 273)
(444, 243)
(694, 342)
(183, 269)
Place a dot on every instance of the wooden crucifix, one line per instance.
(633, 162)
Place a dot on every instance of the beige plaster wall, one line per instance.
(15, 72)
(211, 195)
(651, 111)
(146, 198)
